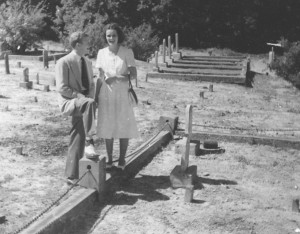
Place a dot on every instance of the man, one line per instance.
(74, 80)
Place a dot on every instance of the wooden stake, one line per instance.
(45, 59)
(164, 50)
(6, 63)
(169, 47)
(37, 78)
(188, 132)
(156, 59)
(176, 42)
(201, 94)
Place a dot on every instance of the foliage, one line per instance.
(142, 41)
(288, 66)
(21, 24)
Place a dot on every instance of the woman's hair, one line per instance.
(114, 26)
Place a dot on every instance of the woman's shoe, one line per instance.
(121, 166)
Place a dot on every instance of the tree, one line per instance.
(21, 23)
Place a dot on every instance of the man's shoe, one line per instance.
(109, 165)
(89, 150)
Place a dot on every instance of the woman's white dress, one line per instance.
(115, 112)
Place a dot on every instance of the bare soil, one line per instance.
(247, 189)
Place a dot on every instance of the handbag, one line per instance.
(132, 95)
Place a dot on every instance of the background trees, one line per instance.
(244, 25)
(21, 24)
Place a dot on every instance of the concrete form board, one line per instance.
(198, 77)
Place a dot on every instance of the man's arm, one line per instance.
(62, 81)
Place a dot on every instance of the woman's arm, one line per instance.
(101, 73)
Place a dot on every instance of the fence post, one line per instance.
(169, 47)
(45, 59)
(156, 59)
(176, 42)
(164, 50)
(6, 64)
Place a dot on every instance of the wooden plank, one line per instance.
(254, 140)
(198, 77)
(200, 66)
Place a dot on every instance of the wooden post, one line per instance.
(156, 59)
(6, 63)
(201, 94)
(176, 42)
(188, 132)
(45, 59)
(19, 64)
(211, 88)
(136, 81)
(46, 88)
(54, 59)
(169, 47)
(189, 192)
(164, 50)
(37, 78)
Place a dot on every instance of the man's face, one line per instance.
(84, 46)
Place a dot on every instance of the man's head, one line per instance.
(79, 41)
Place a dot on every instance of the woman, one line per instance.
(115, 113)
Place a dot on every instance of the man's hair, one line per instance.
(77, 37)
(114, 26)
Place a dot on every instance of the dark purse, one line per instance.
(132, 95)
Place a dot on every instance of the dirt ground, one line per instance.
(247, 189)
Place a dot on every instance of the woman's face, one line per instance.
(112, 37)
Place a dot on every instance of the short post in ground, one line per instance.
(271, 57)
(184, 175)
(45, 59)
(164, 50)
(169, 47)
(37, 81)
(156, 61)
(176, 43)
(96, 175)
(211, 88)
(6, 58)
(19, 64)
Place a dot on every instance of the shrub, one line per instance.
(288, 65)
(142, 41)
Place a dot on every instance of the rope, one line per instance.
(75, 184)
(49, 207)
(245, 129)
